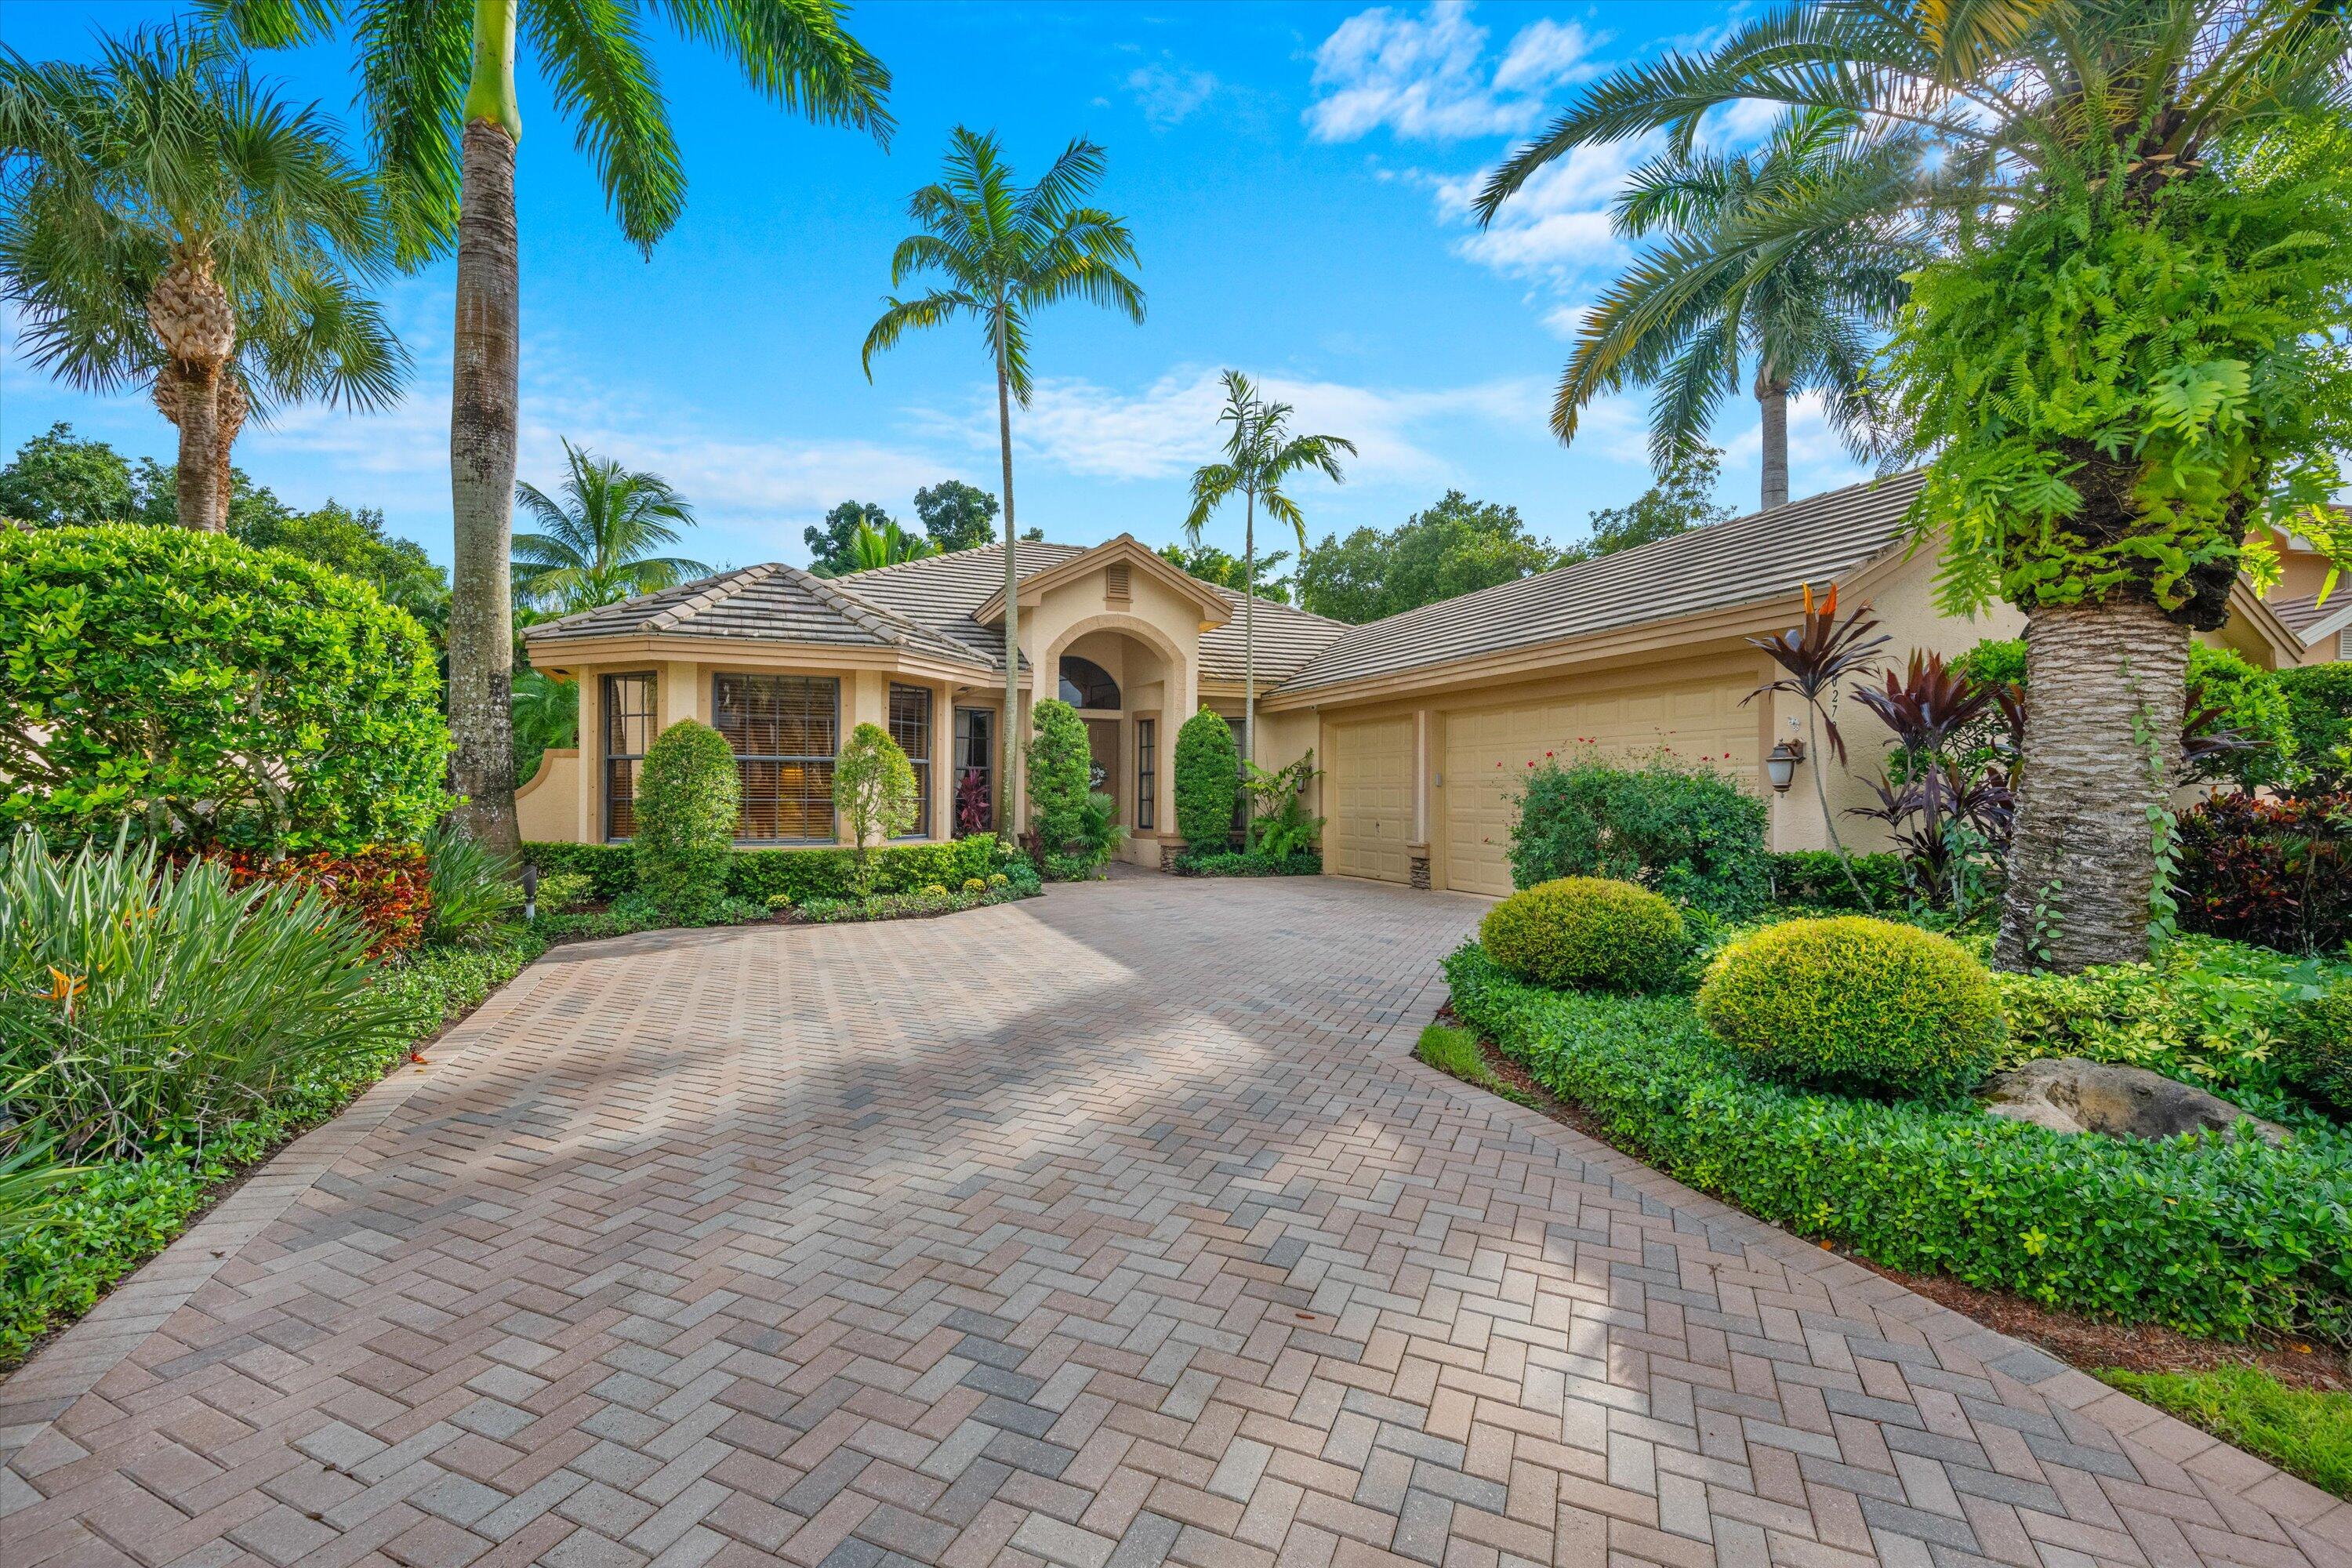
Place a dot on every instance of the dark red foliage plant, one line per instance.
(2277, 872)
(386, 886)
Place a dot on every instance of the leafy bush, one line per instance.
(685, 810)
(874, 791)
(1814, 879)
(1579, 931)
(2319, 714)
(2208, 1239)
(1224, 862)
(387, 888)
(1208, 779)
(473, 888)
(1680, 828)
(2277, 872)
(2317, 1054)
(1076, 829)
(564, 891)
(1854, 1002)
(799, 874)
(140, 1002)
(211, 694)
(1280, 828)
(2204, 1011)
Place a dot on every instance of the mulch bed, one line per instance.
(2085, 1343)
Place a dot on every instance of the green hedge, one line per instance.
(1224, 862)
(2217, 1240)
(1814, 879)
(800, 874)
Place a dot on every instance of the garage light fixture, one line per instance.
(1780, 766)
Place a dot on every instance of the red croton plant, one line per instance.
(387, 885)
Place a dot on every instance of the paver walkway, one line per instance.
(1098, 1230)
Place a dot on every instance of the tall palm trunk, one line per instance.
(230, 407)
(2102, 746)
(1009, 813)
(196, 322)
(1249, 656)
(1772, 395)
(482, 419)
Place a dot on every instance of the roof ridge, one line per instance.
(868, 617)
(722, 588)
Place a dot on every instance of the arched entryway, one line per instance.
(1125, 680)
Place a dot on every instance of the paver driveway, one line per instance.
(1096, 1230)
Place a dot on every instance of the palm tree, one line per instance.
(886, 546)
(1261, 455)
(438, 82)
(597, 539)
(1006, 253)
(2108, 495)
(1801, 308)
(170, 221)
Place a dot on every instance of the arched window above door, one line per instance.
(1085, 684)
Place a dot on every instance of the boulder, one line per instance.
(2071, 1094)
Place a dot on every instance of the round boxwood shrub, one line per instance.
(1208, 779)
(1854, 1002)
(213, 694)
(686, 807)
(1585, 931)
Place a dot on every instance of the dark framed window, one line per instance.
(1147, 773)
(784, 731)
(1085, 684)
(975, 769)
(910, 726)
(630, 723)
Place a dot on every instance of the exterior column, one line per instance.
(1425, 744)
(592, 757)
(864, 699)
(943, 812)
(679, 692)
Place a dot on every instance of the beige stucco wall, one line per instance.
(547, 809)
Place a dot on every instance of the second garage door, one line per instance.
(1370, 786)
(1487, 754)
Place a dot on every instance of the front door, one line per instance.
(1102, 744)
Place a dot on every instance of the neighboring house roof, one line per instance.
(2302, 612)
(767, 602)
(1764, 555)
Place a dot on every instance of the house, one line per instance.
(1423, 723)
(2324, 626)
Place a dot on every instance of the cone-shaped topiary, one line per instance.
(1585, 931)
(685, 805)
(1856, 1003)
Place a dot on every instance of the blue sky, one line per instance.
(1295, 176)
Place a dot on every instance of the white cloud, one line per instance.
(1427, 77)
(1170, 427)
(1169, 92)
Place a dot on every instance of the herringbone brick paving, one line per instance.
(1103, 1230)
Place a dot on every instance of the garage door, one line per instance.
(1487, 754)
(1368, 779)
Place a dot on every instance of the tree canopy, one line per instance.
(1211, 564)
(833, 543)
(956, 515)
(1682, 498)
(1457, 546)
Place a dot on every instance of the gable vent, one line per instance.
(1115, 587)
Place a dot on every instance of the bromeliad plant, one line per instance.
(1818, 654)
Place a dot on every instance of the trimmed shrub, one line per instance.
(1813, 878)
(2319, 715)
(1208, 779)
(1070, 825)
(1586, 931)
(210, 694)
(874, 791)
(2318, 1048)
(2277, 872)
(1224, 862)
(2214, 1239)
(1680, 828)
(759, 875)
(686, 811)
(1856, 1003)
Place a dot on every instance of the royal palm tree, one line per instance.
(1261, 455)
(2118, 172)
(597, 541)
(1708, 296)
(437, 79)
(1004, 253)
(171, 221)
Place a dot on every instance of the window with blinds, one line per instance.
(784, 731)
(910, 726)
(630, 717)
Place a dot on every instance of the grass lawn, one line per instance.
(2302, 1431)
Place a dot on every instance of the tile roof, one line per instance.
(940, 591)
(1287, 637)
(767, 602)
(1764, 555)
(2303, 610)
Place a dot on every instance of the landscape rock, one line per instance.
(2072, 1094)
